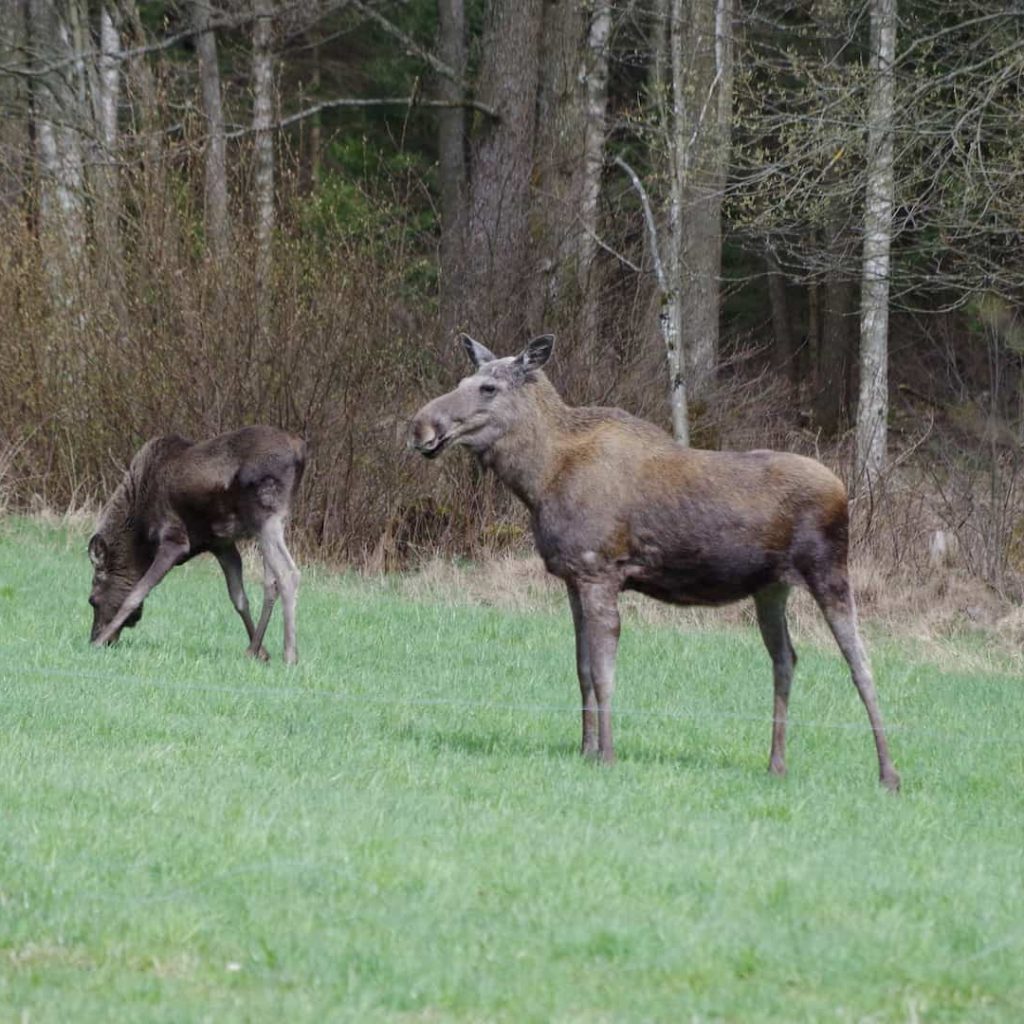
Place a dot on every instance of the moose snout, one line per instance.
(427, 435)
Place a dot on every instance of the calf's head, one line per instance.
(485, 405)
(113, 576)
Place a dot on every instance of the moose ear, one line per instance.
(477, 353)
(537, 353)
(97, 551)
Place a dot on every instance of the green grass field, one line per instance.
(400, 828)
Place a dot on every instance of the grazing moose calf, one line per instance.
(616, 504)
(179, 499)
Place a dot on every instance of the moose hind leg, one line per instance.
(269, 598)
(837, 605)
(771, 619)
(231, 564)
(588, 700)
(286, 574)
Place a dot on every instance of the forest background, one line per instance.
(761, 224)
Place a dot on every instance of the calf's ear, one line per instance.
(537, 353)
(477, 353)
(97, 551)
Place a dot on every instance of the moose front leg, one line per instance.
(231, 563)
(588, 701)
(168, 555)
(599, 611)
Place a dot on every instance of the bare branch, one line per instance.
(387, 101)
(652, 228)
(411, 45)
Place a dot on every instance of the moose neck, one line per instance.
(524, 458)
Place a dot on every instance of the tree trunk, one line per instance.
(873, 404)
(452, 162)
(215, 171)
(262, 119)
(666, 253)
(837, 341)
(594, 137)
(702, 56)
(837, 346)
(14, 126)
(559, 158)
(783, 356)
(497, 235)
(106, 217)
(58, 116)
(309, 166)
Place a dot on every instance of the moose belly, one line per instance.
(705, 581)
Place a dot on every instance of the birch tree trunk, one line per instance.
(666, 252)
(452, 161)
(215, 189)
(106, 217)
(262, 119)
(57, 116)
(595, 134)
(873, 404)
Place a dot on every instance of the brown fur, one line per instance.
(616, 504)
(179, 499)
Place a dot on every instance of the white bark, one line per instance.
(58, 115)
(595, 72)
(262, 121)
(106, 213)
(873, 404)
(670, 316)
(110, 81)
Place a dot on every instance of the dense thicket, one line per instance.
(758, 223)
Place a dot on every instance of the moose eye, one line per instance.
(488, 389)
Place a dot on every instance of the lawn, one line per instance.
(400, 829)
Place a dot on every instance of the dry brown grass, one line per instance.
(933, 611)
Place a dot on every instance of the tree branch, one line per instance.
(425, 55)
(387, 101)
(652, 228)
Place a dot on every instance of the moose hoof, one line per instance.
(777, 768)
(891, 781)
(259, 655)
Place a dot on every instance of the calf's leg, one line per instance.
(286, 575)
(588, 700)
(167, 556)
(771, 619)
(269, 597)
(231, 563)
(835, 599)
(599, 612)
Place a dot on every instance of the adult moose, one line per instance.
(616, 504)
(179, 499)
